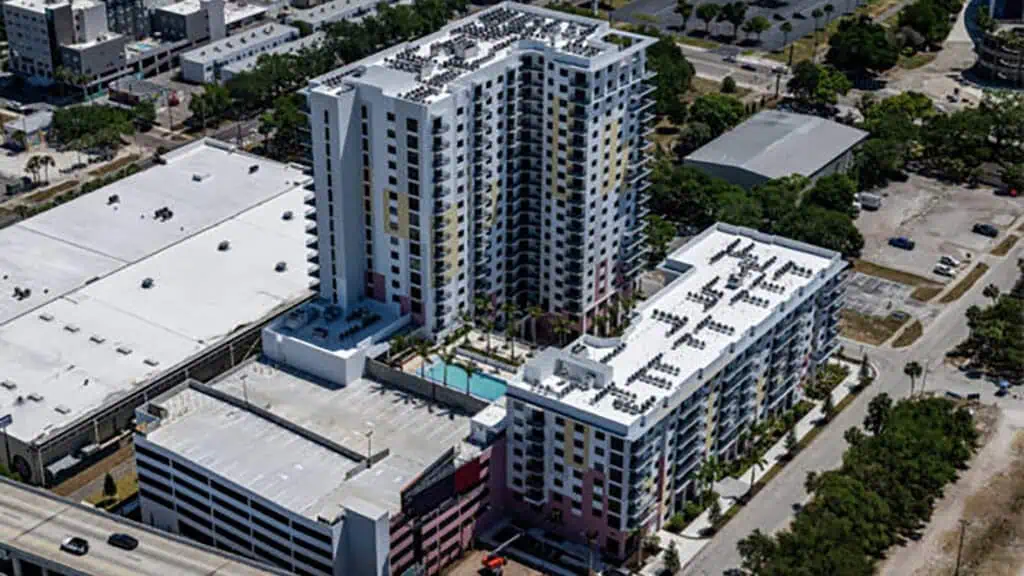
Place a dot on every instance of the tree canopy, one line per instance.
(84, 127)
(674, 74)
(996, 338)
(883, 492)
(719, 112)
(860, 47)
(818, 86)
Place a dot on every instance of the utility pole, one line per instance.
(960, 547)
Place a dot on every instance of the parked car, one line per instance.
(869, 201)
(75, 545)
(123, 541)
(901, 242)
(946, 260)
(943, 270)
(986, 230)
(1007, 191)
(748, 66)
(731, 58)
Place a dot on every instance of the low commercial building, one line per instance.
(294, 47)
(774, 144)
(127, 291)
(203, 65)
(33, 126)
(606, 434)
(321, 14)
(364, 479)
(131, 91)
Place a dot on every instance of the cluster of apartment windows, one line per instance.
(218, 515)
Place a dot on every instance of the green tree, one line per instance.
(879, 409)
(696, 134)
(758, 462)
(659, 233)
(991, 291)
(734, 13)
(792, 442)
(834, 192)
(927, 18)
(685, 10)
(707, 13)
(471, 368)
(45, 162)
(285, 123)
(33, 167)
(728, 87)
(144, 114)
(786, 27)
(714, 514)
(109, 486)
(424, 351)
(756, 26)
(862, 48)
(672, 562)
(828, 408)
(825, 228)
(818, 86)
(674, 75)
(719, 112)
(1012, 176)
(448, 357)
(19, 138)
(912, 369)
(739, 209)
(778, 199)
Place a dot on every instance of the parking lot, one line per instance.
(775, 10)
(938, 218)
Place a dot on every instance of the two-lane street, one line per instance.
(772, 509)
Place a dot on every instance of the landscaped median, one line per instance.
(965, 283)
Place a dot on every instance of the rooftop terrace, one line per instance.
(732, 284)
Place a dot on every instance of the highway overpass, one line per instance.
(33, 523)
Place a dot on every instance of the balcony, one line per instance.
(441, 128)
(311, 228)
(309, 199)
(535, 465)
(574, 240)
(313, 243)
(441, 160)
(534, 496)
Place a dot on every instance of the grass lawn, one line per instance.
(1006, 245)
(909, 336)
(915, 61)
(965, 284)
(114, 165)
(926, 293)
(869, 329)
(697, 42)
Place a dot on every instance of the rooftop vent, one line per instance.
(163, 214)
(287, 215)
(35, 397)
(254, 168)
(147, 283)
(224, 246)
(151, 362)
(113, 199)
(62, 409)
(280, 266)
(46, 317)
(197, 177)
(21, 293)
(9, 385)
(124, 350)
(96, 338)
(71, 328)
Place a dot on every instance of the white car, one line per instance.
(944, 271)
(949, 261)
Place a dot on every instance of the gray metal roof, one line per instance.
(32, 123)
(776, 144)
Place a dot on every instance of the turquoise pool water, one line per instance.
(481, 385)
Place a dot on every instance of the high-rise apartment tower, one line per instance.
(503, 157)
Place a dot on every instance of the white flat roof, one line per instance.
(84, 347)
(714, 316)
(307, 477)
(424, 69)
(233, 12)
(293, 47)
(228, 47)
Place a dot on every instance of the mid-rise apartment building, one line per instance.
(604, 436)
(503, 157)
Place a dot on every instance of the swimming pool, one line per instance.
(482, 385)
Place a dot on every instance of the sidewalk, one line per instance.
(730, 490)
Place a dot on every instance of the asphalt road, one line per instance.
(34, 523)
(772, 509)
(667, 19)
(711, 65)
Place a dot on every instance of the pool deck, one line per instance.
(435, 372)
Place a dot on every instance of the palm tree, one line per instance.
(46, 161)
(828, 408)
(32, 167)
(448, 357)
(510, 335)
(707, 474)
(489, 327)
(423, 351)
(563, 326)
(534, 312)
(786, 27)
(991, 291)
(912, 369)
(816, 14)
(471, 368)
(398, 343)
(600, 323)
(82, 81)
(829, 9)
(759, 462)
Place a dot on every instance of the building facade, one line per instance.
(502, 158)
(605, 436)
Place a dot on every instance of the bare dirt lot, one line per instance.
(471, 563)
(989, 496)
(938, 217)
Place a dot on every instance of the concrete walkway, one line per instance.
(730, 490)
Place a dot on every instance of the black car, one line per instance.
(986, 230)
(901, 242)
(75, 545)
(123, 541)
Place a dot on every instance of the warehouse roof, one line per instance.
(775, 144)
(227, 48)
(119, 297)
